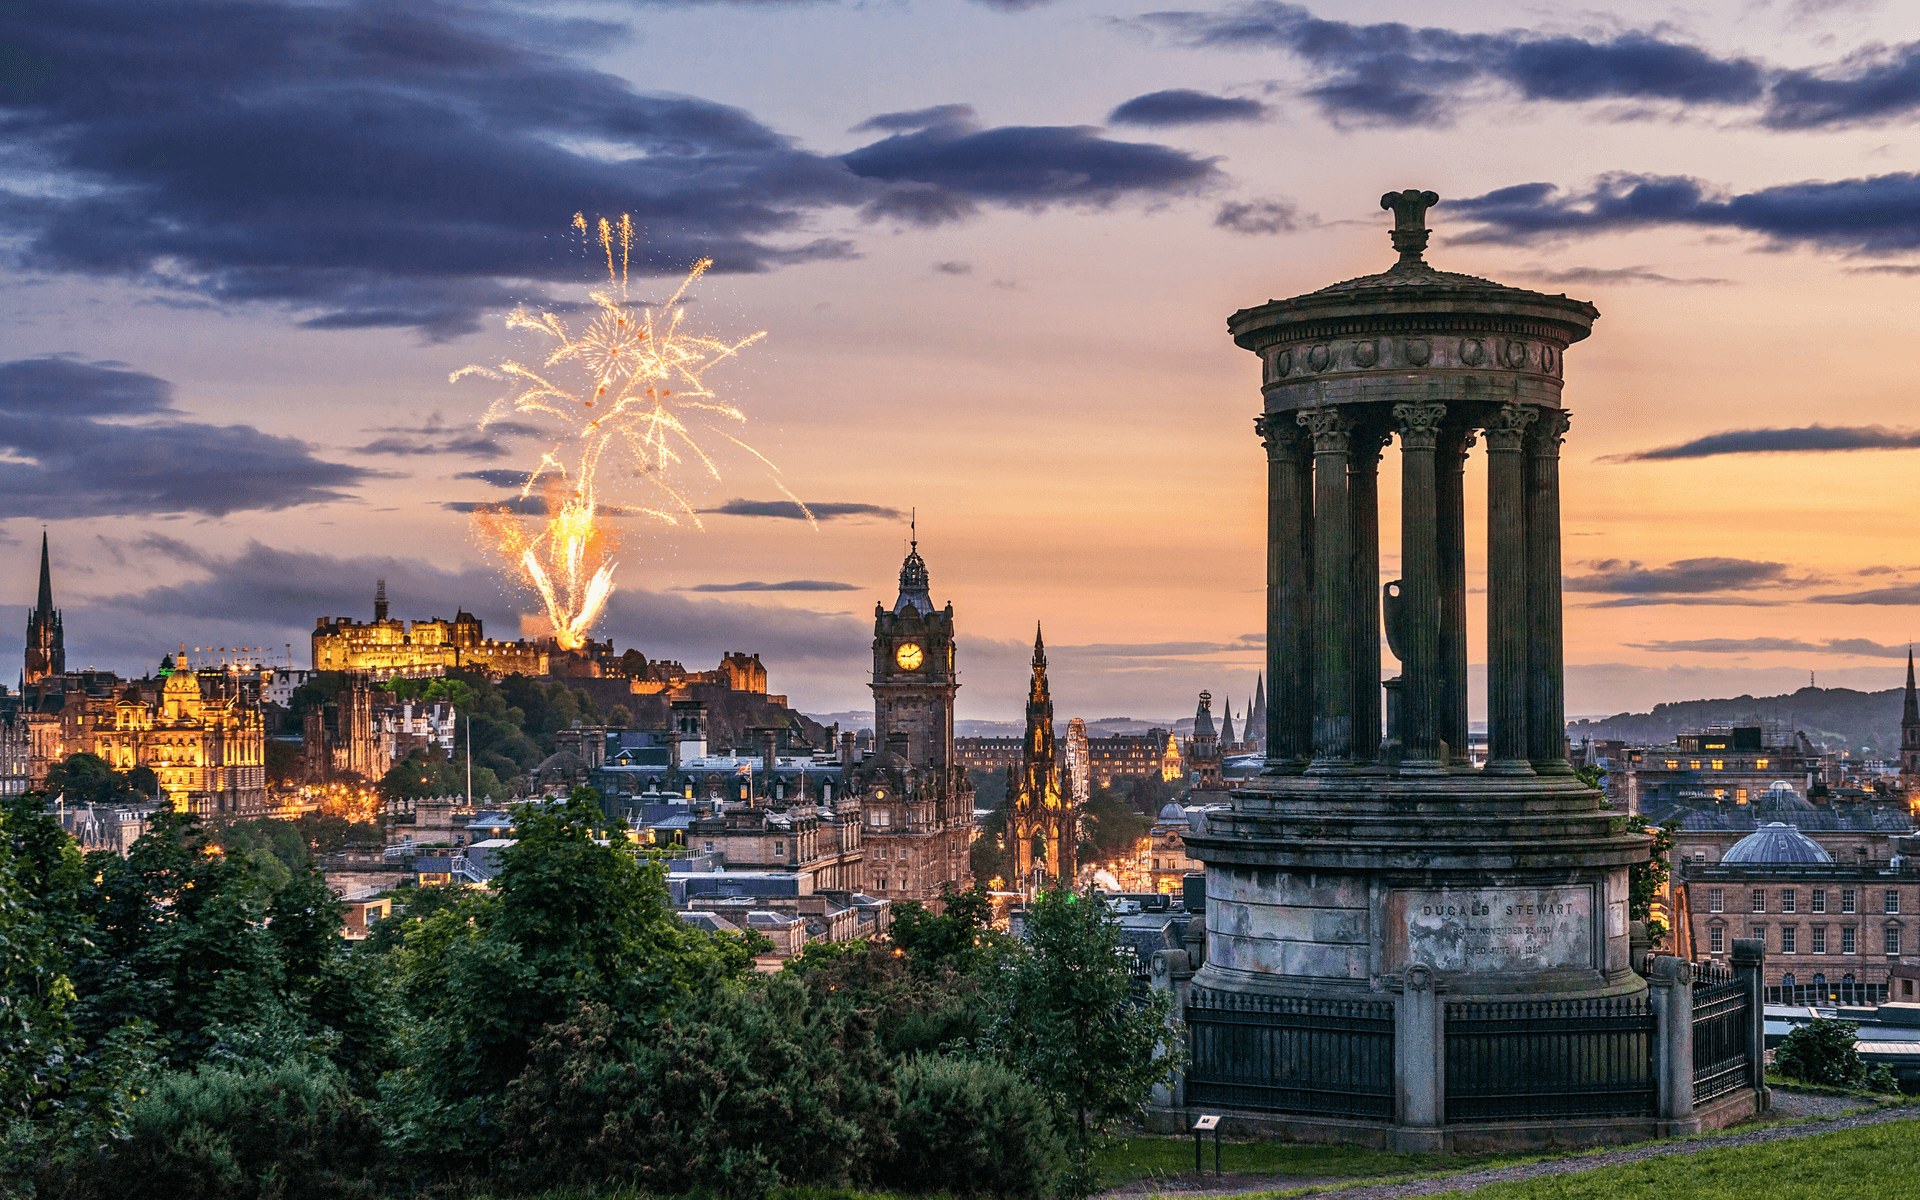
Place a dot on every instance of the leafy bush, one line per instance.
(291, 1132)
(914, 1010)
(971, 1128)
(1822, 1053)
(740, 1091)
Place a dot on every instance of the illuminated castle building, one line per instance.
(386, 647)
(1043, 824)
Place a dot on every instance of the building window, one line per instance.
(1893, 901)
(1819, 939)
(1673, 764)
(1759, 900)
(1717, 940)
(1819, 900)
(1789, 939)
(1759, 764)
(1789, 900)
(709, 847)
(1719, 764)
(1846, 900)
(1716, 900)
(779, 849)
(1893, 943)
(1740, 795)
(1846, 941)
(1693, 764)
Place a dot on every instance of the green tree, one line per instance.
(575, 918)
(87, 779)
(59, 1092)
(1823, 1052)
(1065, 1015)
(954, 940)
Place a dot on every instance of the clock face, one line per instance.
(910, 656)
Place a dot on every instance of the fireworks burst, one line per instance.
(629, 387)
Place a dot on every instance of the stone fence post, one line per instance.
(1419, 1062)
(1173, 974)
(1670, 988)
(1749, 959)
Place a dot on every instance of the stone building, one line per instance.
(201, 733)
(16, 753)
(1833, 930)
(914, 794)
(822, 844)
(1168, 863)
(1203, 756)
(1077, 767)
(341, 738)
(1736, 763)
(387, 647)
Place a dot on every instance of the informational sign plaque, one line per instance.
(1491, 929)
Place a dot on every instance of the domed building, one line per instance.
(1776, 842)
(1835, 932)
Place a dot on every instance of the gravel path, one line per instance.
(1468, 1181)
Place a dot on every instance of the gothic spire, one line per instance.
(1226, 719)
(1911, 714)
(46, 577)
(1039, 689)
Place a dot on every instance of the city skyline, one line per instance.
(995, 287)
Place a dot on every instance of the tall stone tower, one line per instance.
(1041, 812)
(1910, 736)
(913, 670)
(46, 640)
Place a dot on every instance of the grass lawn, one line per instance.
(1880, 1162)
(1142, 1157)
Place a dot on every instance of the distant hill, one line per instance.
(1866, 723)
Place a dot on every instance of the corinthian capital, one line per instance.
(1507, 427)
(1280, 436)
(1328, 428)
(1550, 432)
(1419, 425)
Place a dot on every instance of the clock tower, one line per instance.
(913, 670)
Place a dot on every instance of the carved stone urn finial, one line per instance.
(1410, 231)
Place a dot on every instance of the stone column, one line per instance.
(1171, 971)
(1749, 967)
(1419, 1063)
(1451, 537)
(1363, 545)
(1546, 670)
(1507, 691)
(1289, 731)
(1421, 690)
(1332, 582)
(1670, 992)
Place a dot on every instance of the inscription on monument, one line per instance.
(1491, 929)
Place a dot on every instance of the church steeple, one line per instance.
(46, 639)
(1910, 715)
(46, 576)
(1226, 721)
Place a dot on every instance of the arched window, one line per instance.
(1787, 979)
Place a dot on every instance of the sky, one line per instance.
(993, 245)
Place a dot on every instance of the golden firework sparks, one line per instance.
(630, 382)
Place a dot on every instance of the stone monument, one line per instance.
(1362, 869)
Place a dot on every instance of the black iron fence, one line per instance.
(1722, 1032)
(1283, 1054)
(1516, 1060)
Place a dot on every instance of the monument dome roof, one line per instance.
(1776, 842)
(1416, 275)
(1173, 812)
